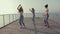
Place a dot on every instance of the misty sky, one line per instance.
(9, 6)
(54, 5)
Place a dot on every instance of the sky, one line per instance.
(54, 5)
(10, 6)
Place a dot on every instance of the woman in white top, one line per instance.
(46, 16)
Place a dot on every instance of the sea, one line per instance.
(52, 16)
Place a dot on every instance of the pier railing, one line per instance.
(7, 18)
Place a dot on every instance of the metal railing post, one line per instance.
(3, 20)
(9, 18)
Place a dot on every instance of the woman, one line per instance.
(21, 19)
(46, 16)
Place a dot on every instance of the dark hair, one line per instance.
(46, 5)
(33, 8)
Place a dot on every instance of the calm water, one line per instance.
(53, 16)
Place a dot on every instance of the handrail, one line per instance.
(12, 17)
(7, 18)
